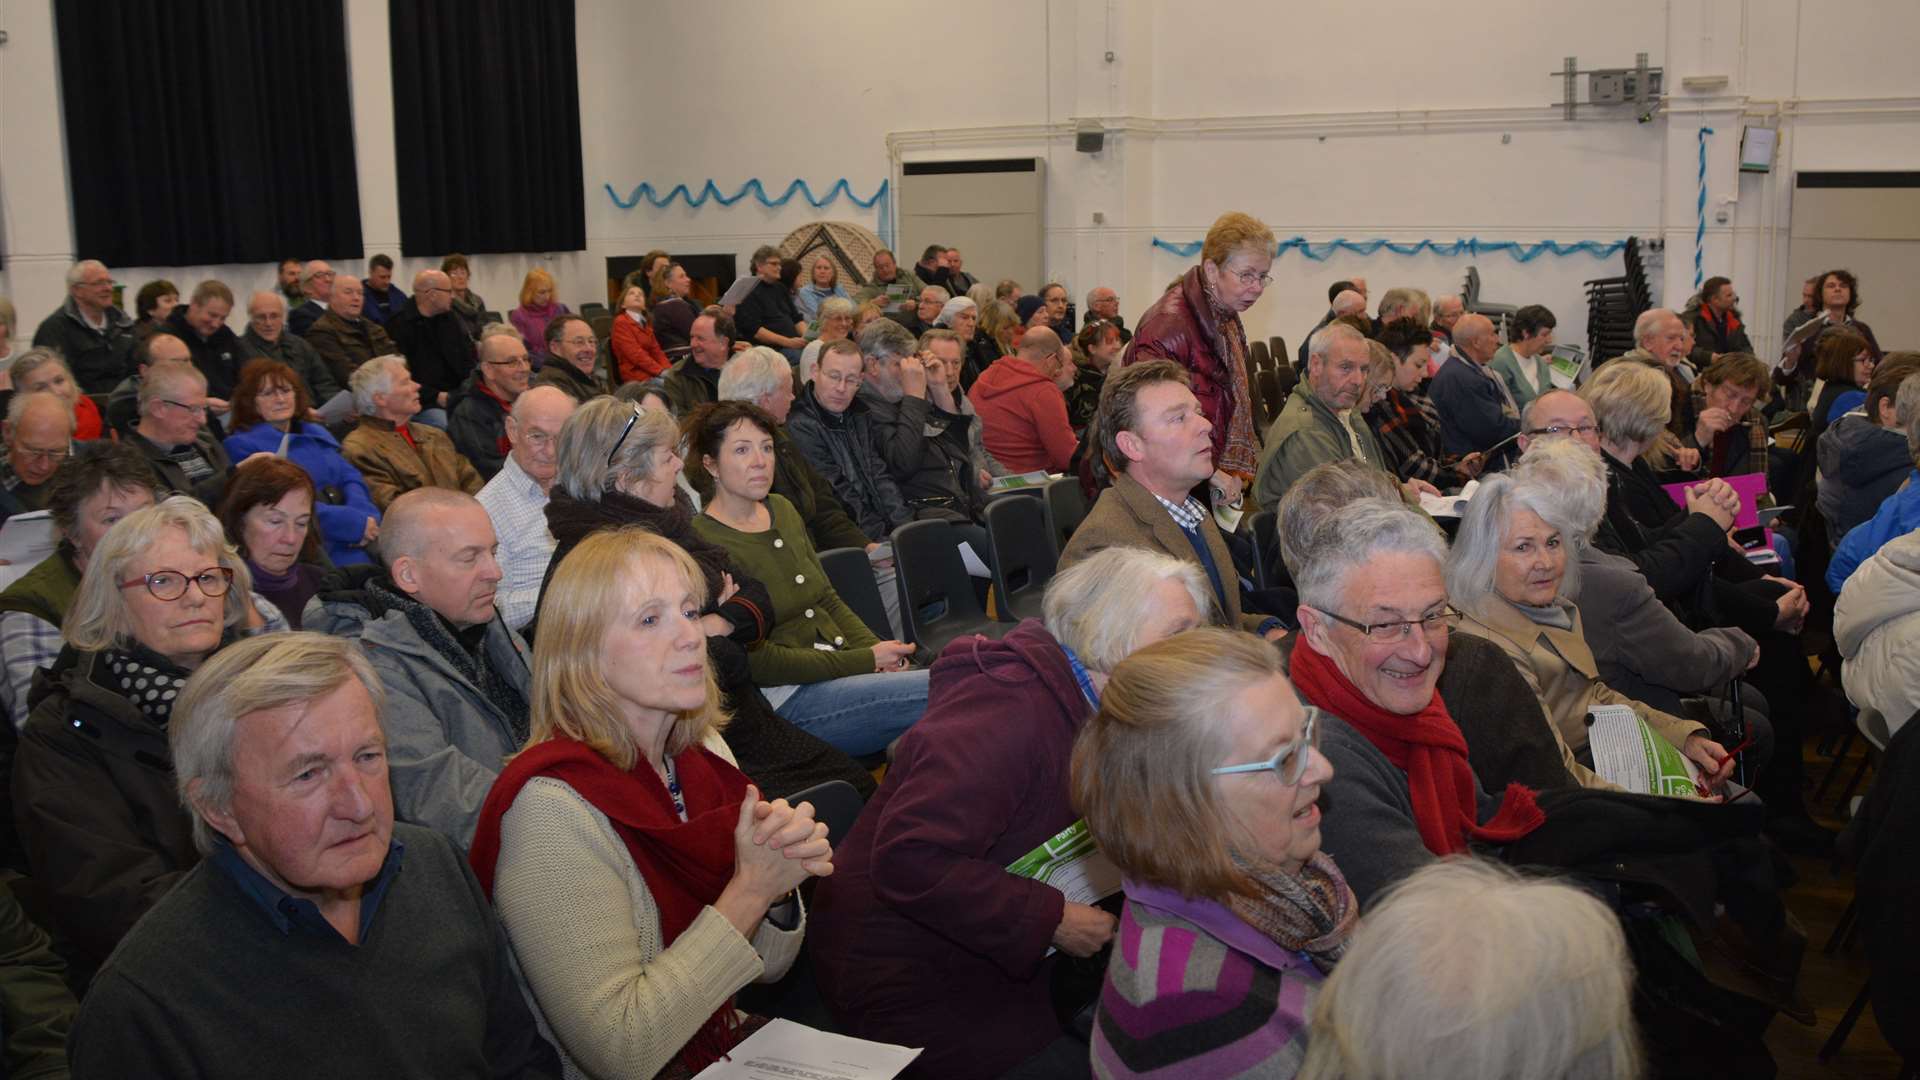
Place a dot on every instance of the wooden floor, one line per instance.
(1829, 983)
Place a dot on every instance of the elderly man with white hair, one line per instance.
(1322, 420)
(39, 437)
(1103, 305)
(516, 499)
(1477, 412)
(93, 334)
(172, 432)
(267, 335)
(243, 968)
(394, 454)
(316, 285)
(1660, 342)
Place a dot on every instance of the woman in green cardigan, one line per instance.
(820, 666)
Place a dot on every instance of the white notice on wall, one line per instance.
(784, 1050)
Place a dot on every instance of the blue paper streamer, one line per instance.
(710, 192)
(1700, 213)
(1323, 250)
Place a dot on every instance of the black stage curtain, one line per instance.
(486, 126)
(208, 131)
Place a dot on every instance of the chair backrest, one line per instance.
(1270, 393)
(1024, 558)
(602, 326)
(1470, 292)
(851, 573)
(488, 318)
(593, 309)
(1277, 349)
(1261, 525)
(936, 596)
(1262, 359)
(836, 804)
(1066, 509)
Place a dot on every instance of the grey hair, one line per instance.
(1483, 530)
(1398, 297)
(1349, 302)
(1321, 343)
(1644, 325)
(835, 305)
(17, 409)
(1467, 969)
(254, 675)
(752, 375)
(98, 618)
(1906, 413)
(588, 439)
(1096, 291)
(163, 377)
(1096, 606)
(981, 294)
(1317, 497)
(490, 331)
(884, 339)
(1631, 401)
(1354, 537)
(273, 295)
(79, 270)
(944, 294)
(374, 377)
(953, 309)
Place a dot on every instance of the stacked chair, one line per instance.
(1613, 304)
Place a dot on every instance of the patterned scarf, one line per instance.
(471, 663)
(1312, 911)
(1241, 454)
(150, 682)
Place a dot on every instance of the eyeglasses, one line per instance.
(30, 454)
(1557, 430)
(1290, 762)
(1250, 278)
(197, 410)
(624, 432)
(841, 380)
(1388, 633)
(170, 585)
(517, 361)
(577, 342)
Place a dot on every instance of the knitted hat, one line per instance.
(1026, 307)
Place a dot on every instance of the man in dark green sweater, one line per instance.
(298, 944)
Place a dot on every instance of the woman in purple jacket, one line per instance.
(922, 936)
(1200, 777)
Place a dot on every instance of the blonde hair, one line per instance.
(570, 696)
(1631, 402)
(1143, 766)
(1468, 970)
(1232, 232)
(98, 618)
(537, 277)
(1097, 606)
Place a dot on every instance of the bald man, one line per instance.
(516, 498)
(1477, 412)
(1022, 406)
(456, 676)
(435, 343)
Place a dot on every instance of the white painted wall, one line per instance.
(1322, 123)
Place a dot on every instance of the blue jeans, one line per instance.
(859, 714)
(432, 418)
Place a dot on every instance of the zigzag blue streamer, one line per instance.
(1321, 252)
(711, 192)
(1700, 212)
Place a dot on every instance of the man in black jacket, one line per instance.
(93, 335)
(834, 432)
(439, 353)
(217, 351)
(316, 284)
(477, 422)
(267, 336)
(767, 316)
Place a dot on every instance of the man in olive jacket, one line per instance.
(1321, 421)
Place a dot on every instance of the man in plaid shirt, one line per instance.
(1407, 422)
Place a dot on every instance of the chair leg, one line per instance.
(1842, 927)
(1853, 784)
(1839, 1037)
(1839, 756)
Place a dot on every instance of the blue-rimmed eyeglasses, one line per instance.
(1290, 761)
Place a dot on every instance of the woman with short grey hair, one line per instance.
(833, 323)
(43, 370)
(104, 829)
(754, 374)
(619, 467)
(1511, 574)
(922, 934)
(1533, 973)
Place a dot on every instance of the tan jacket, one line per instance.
(1127, 515)
(391, 467)
(1561, 669)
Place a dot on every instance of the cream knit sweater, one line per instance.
(586, 932)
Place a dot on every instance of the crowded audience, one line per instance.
(568, 614)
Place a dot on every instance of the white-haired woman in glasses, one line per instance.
(1200, 779)
(93, 783)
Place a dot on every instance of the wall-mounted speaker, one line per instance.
(1089, 142)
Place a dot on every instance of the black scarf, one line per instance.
(150, 682)
(465, 650)
(572, 520)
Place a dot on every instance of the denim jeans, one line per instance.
(859, 714)
(432, 418)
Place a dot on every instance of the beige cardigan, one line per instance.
(586, 932)
(1560, 667)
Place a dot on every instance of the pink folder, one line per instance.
(1750, 486)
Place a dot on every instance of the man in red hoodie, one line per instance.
(1023, 412)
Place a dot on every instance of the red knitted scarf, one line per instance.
(1429, 748)
(684, 863)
